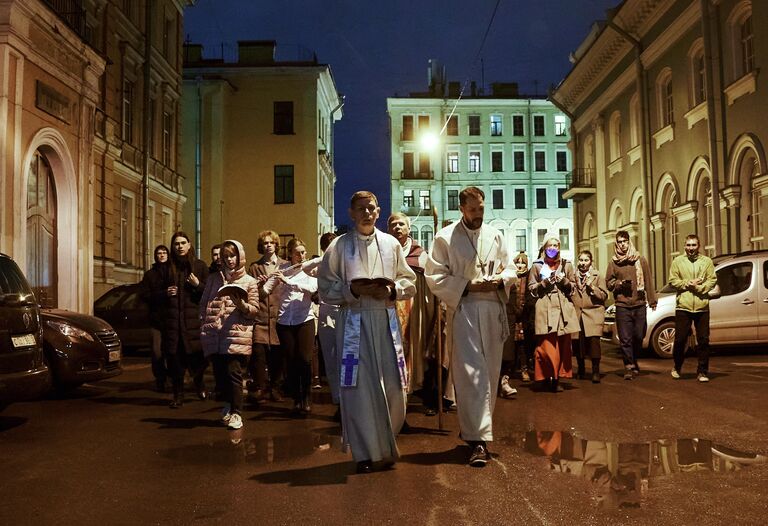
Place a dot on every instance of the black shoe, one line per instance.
(595, 377)
(177, 402)
(306, 406)
(479, 456)
(555, 386)
(366, 466)
(429, 412)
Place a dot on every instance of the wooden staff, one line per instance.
(439, 346)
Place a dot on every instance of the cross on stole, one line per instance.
(401, 363)
(349, 362)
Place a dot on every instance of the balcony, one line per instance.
(415, 211)
(71, 12)
(417, 175)
(580, 184)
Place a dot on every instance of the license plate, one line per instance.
(114, 356)
(25, 340)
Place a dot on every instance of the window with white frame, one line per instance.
(665, 99)
(756, 229)
(426, 237)
(166, 225)
(498, 198)
(496, 125)
(540, 161)
(538, 126)
(473, 122)
(453, 199)
(521, 240)
(634, 120)
(747, 44)
(518, 126)
(425, 201)
(560, 126)
(452, 162)
(562, 160)
(497, 161)
(474, 162)
(408, 199)
(699, 77)
(518, 160)
(452, 125)
(564, 235)
(541, 233)
(519, 199)
(541, 198)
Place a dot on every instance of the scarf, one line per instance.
(633, 257)
(581, 282)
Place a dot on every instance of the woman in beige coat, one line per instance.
(228, 308)
(589, 297)
(551, 281)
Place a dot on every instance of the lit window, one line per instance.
(408, 199)
(425, 203)
(521, 240)
(407, 128)
(453, 162)
(560, 128)
(474, 162)
(565, 239)
(496, 125)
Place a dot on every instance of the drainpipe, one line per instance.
(645, 157)
(146, 133)
(198, 164)
(714, 158)
(332, 204)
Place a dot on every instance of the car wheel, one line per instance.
(663, 339)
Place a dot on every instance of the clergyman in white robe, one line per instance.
(373, 377)
(478, 320)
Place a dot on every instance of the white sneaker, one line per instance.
(226, 413)
(507, 391)
(235, 421)
(703, 378)
(675, 374)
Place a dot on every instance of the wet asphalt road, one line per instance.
(615, 453)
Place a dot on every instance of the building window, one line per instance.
(283, 117)
(560, 128)
(562, 161)
(518, 159)
(453, 162)
(408, 200)
(498, 199)
(561, 203)
(634, 120)
(497, 162)
(541, 198)
(283, 184)
(496, 125)
(474, 162)
(540, 161)
(517, 126)
(615, 135)
(747, 46)
(538, 125)
(453, 199)
(699, 76)
(521, 239)
(408, 165)
(452, 126)
(128, 95)
(474, 124)
(424, 167)
(167, 32)
(519, 199)
(167, 138)
(565, 239)
(407, 128)
(126, 230)
(423, 123)
(540, 234)
(425, 202)
(665, 100)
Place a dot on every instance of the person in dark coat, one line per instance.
(522, 311)
(181, 334)
(154, 293)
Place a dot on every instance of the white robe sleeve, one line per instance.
(405, 277)
(331, 282)
(438, 273)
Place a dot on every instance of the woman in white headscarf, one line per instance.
(228, 309)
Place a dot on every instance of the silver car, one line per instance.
(738, 315)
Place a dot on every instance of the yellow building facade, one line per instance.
(257, 146)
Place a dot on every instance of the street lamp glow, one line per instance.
(428, 141)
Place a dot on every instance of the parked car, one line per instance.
(125, 310)
(738, 316)
(23, 372)
(79, 348)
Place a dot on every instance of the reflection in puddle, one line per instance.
(254, 451)
(620, 472)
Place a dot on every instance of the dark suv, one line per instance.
(23, 373)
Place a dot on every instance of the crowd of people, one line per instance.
(376, 305)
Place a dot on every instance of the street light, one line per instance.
(428, 141)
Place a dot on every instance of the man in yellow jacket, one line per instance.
(692, 275)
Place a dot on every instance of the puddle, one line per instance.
(254, 451)
(621, 472)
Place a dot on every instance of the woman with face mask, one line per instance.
(589, 298)
(551, 281)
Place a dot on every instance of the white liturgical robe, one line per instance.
(372, 367)
(478, 319)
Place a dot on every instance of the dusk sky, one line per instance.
(379, 49)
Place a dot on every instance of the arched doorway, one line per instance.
(41, 231)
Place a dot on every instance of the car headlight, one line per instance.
(70, 331)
